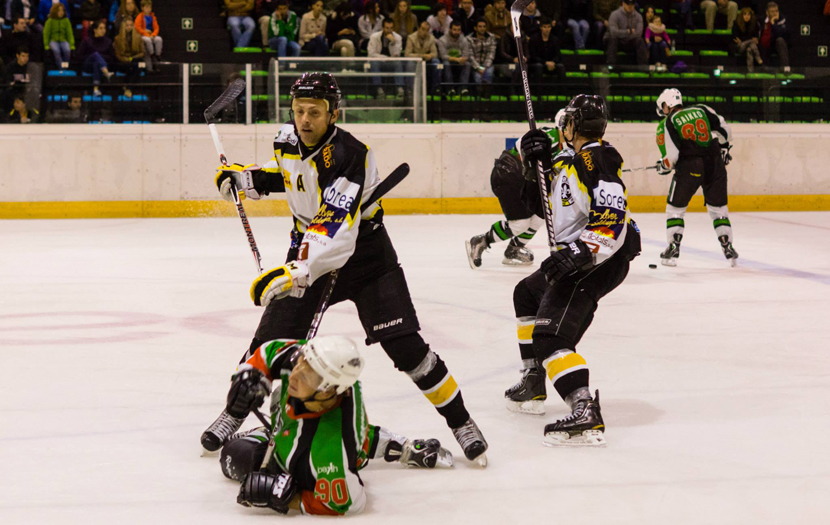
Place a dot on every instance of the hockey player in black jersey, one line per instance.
(326, 174)
(595, 242)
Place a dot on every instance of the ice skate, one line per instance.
(529, 394)
(422, 453)
(475, 247)
(584, 427)
(472, 442)
(517, 256)
(217, 434)
(728, 251)
(672, 253)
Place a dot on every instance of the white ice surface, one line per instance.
(118, 338)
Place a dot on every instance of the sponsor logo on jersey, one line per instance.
(328, 469)
(588, 159)
(340, 200)
(328, 158)
(542, 322)
(567, 196)
(328, 220)
(610, 195)
(388, 324)
(594, 240)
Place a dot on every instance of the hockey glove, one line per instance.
(725, 154)
(419, 453)
(536, 147)
(261, 489)
(289, 280)
(240, 176)
(249, 387)
(573, 258)
(662, 169)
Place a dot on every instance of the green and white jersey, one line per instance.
(696, 131)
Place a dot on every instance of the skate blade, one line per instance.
(589, 438)
(444, 459)
(470, 255)
(481, 461)
(669, 262)
(533, 407)
(515, 262)
(733, 262)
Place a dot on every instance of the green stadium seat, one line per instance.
(695, 75)
(576, 74)
(604, 75)
(714, 53)
(682, 53)
(733, 76)
(634, 74)
(665, 75)
(760, 76)
(567, 52)
(589, 52)
(247, 50)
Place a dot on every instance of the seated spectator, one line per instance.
(465, 15)
(577, 13)
(625, 31)
(342, 31)
(439, 21)
(70, 114)
(97, 54)
(724, 7)
(405, 21)
(685, 10)
(545, 56)
(388, 7)
(745, 38)
(264, 10)
(648, 14)
(148, 27)
(21, 114)
(19, 72)
(129, 51)
(58, 35)
(602, 14)
(129, 9)
(774, 36)
(422, 44)
(456, 55)
(370, 23)
(498, 19)
(482, 53)
(27, 9)
(386, 43)
(89, 12)
(18, 37)
(658, 42)
(530, 20)
(240, 22)
(313, 31)
(45, 7)
(450, 5)
(282, 31)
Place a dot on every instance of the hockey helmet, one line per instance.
(559, 119)
(671, 97)
(335, 359)
(321, 86)
(589, 114)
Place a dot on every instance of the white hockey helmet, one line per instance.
(558, 120)
(335, 359)
(671, 97)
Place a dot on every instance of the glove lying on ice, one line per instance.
(261, 489)
(573, 258)
(240, 176)
(289, 280)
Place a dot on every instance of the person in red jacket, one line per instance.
(148, 27)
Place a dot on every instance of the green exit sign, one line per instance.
(822, 51)
(805, 30)
(192, 46)
(187, 23)
(196, 69)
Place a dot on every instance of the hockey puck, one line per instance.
(652, 266)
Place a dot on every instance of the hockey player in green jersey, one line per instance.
(322, 437)
(694, 143)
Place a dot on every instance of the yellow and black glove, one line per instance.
(240, 176)
(289, 280)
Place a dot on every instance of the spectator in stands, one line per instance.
(658, 41)
(483, 52)
(148, 27)
(530, 20)
(128, 10)
(89, 12)
(498, 18)
(264, 10)
(370, 23)
(388, 7)
(18, 72)
(685, 10)
(21, 36)
(22, 114)
(439, 21)
(774, 36)
(625, 31)
(386, 43)
(450, 5)
(577, 13)
(58, 35)
(27, 9)
(405, 20)
(724, 7)
(602, 15)
(313, 31)
(282, 31)
(70, 114)
(45, 7)
(648, 14)
(455, 53)
(342, 30)
(507, 58)
(96, 54)
(240, 22)
(129, 51)
(465, 15)
(422, 44)
(545, 56)
(745, 38)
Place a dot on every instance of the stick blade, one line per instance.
(234, 90)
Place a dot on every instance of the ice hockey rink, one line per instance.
(118, 339)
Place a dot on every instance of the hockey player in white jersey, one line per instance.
(595, 242)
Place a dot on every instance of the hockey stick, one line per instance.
(640, 169)
(543, 167)
(382, 189)
(225, 99)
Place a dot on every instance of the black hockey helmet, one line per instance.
(589, 114)
(321, 86)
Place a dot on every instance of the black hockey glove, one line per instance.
(536, 147)
(249, 387)
(725, 154)
(574, 258)
(261, 489)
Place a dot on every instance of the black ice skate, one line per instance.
(475, 247)
(584, 427)
(728, 251)
(423, 453)
(517, 256)
(218, 433)
(472, 442)
(529, 394)
(672, 253)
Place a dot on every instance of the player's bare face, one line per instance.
(312, 118)
(303, 380)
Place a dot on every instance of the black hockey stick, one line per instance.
(543, 167)
(225, 99)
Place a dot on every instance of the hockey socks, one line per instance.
(675, 222)
(720, 221)
(566, 369)
(499, 231)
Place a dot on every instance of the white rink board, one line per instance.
(118, 338)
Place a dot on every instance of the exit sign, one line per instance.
(805, 30)
(192, 46)
(196, 69)
(822, 51)
(187, 23)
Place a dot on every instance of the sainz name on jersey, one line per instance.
(338, 201)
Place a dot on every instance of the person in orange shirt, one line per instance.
(148, 27)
